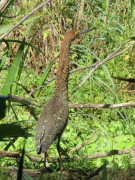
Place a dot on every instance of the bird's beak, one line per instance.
(85, 30)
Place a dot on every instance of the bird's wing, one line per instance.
(51, 124)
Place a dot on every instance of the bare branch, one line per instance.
(24, 18)
(100, 63)
(108, 106)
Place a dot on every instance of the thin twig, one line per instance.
(24, 18)
(111, 56)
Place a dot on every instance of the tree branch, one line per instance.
(108, 106)
(24, 18)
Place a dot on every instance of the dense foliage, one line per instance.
(28, 58)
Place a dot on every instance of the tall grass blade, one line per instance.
(13, 70)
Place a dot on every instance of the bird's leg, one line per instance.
(59, 152)
(46, 164)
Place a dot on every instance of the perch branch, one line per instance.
(24, 18)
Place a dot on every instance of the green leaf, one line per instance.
(13, 70)
(11, 130)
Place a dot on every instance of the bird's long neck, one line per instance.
(61, 85)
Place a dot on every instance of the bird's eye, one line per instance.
(77, 32)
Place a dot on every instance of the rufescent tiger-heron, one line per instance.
(54, 116)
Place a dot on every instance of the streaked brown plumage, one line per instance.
(54, 117)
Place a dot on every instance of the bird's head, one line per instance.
(72, 34)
